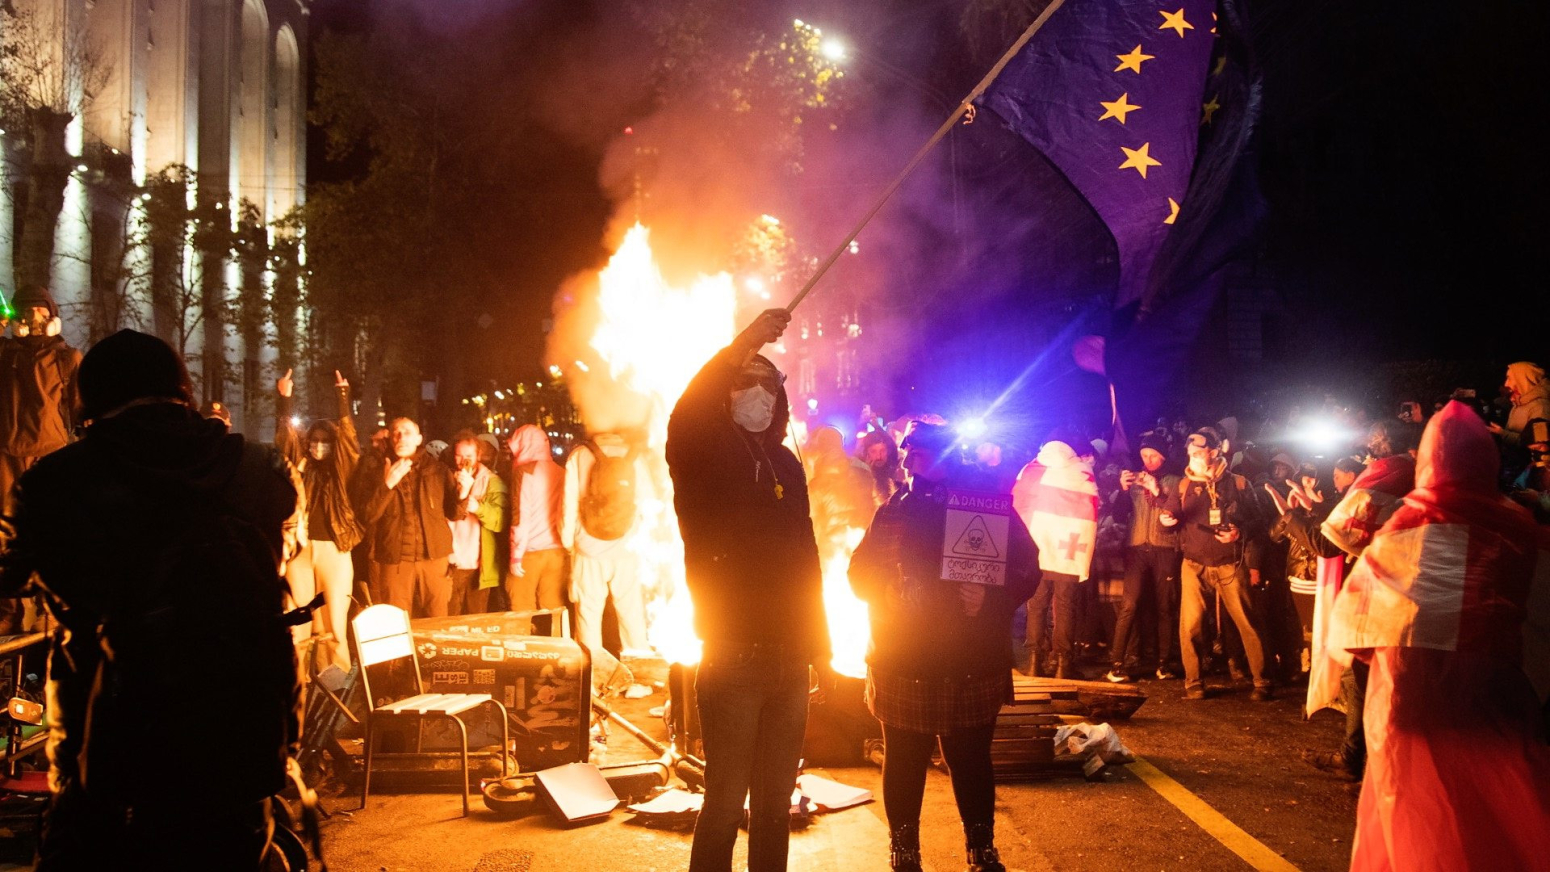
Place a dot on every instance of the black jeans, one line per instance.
(82, 834)
(1155, 572)
(1063, 590)
(907, 755)
(753, 712)
(1353, 695)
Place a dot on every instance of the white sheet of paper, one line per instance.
(674, 801)
(831, 795)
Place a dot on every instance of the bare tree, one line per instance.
(49, 69)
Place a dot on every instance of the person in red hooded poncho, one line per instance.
(1446, 607)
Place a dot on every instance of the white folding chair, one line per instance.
(384, 645)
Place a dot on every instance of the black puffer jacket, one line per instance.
(741, 499)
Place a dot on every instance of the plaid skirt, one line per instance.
(937, 706)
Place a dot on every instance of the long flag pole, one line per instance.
(941, 132)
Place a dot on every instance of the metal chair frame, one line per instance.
(382, 635)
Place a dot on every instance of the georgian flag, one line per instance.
(1374, 496)
(1457, 567)
(1364, 509)
(1057, 497)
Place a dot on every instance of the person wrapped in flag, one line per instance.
(1439, 606)
(1056, 495)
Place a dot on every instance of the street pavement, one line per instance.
(1227, 754)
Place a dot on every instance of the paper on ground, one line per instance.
(673, 801)
(831, 795)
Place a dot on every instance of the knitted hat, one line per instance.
(1154, 442)
(35, 296)
(129, 366)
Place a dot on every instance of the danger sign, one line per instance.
(975, 537)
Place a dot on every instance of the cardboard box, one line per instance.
(544, 682)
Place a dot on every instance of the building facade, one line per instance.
(201, 103)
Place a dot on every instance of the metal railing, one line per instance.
(13, 650)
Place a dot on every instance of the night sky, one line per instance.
(1396, 155)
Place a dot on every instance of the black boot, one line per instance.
(1063, 666)
(980, 839)
(904, 848)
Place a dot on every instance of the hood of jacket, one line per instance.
(1457, 451)
(1058, 455)
(776, 433)
(1526, 381)
(530, 444)
(168, 444)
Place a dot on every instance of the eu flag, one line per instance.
(1111, 92)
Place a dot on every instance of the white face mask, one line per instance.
(321, 450)
(753, 409)
(1200, 464)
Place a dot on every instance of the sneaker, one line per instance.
(1261, 694)
(1332, 762)
(1166, 674)
(1117, 676)
(1236, 672)
(1195, 691)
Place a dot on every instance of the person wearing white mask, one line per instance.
(326, 461)
(751, 562)
(1215, 512)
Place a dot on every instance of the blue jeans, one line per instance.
(753, 713)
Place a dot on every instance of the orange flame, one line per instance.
(654, 338)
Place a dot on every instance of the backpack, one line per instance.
(196, 668)
(607, 501)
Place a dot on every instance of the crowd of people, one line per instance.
(1391, 573)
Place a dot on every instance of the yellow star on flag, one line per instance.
(1133, 60)
(1118, 109)
(1137, 159)
(1175, 20)
(1173, 211)
(1210, 110)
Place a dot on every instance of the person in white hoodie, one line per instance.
(1056, 495)
(606, 480)
(537, 578)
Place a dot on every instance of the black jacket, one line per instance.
(92, 520)
(427, 496)
(1306, 543)
(330, 514)
(1190, 502)
(749, 552)
(920, 627)
(38, 395)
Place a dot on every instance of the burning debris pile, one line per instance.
(629, 341)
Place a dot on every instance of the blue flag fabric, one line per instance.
(1111, 92)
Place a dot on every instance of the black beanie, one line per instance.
(35, 296)
(1156, 443)
(129, 366)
